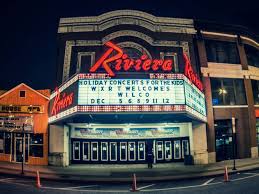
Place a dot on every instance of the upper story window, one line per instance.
(222, 52)
(255, 86)
(252, 55)
(228, 91)
(22, 94)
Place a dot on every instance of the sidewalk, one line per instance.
(123, 173)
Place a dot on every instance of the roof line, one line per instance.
(23, 84)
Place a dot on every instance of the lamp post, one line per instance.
(22, 173)
(234, 142)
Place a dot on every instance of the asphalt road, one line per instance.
(240, 183)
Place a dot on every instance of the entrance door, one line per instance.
(86, 151)
(94, 151)
(141, 150)
(168, 150)
(132, 151)
(104, 150)
(113, 151)
(159, 150)
(177, 149)
(123, 151)
(18, 151)
(76, 150)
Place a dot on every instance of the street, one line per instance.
(243, 183)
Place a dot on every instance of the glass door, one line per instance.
(104, 150)
(18, 151)
(113, 151)
(159, 150)
(132, 151)
(185, 148)
(86, 151)
(168, 150)
(177, 149)
(94, 151)
(123, 151)
(76, 150)
(141, 150)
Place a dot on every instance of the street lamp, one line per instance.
(234, 142)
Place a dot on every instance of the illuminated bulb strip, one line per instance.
(66, 85)
(136, 108)
(94, 76)
(63, 114)
(166, 76)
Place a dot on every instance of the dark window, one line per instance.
(228, 91)
(255, 86)
(22, 94)
(222, 52)
(257, 131)
(252, 55)
(36, 145)
(223, 133)
(1, 142)
(7, 143)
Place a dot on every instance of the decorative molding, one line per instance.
(67, 59)
(135, 46)
(174, 55)
(148, 39)
(79, 57)
(130, 17)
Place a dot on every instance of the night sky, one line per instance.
(28, 29)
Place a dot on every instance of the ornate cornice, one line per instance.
(120, 17)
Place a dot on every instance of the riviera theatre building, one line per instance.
(130, 84)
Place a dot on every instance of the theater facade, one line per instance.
(130, 84)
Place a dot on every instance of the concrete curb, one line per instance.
(76, 178)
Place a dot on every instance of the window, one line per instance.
(1, 142)
(36, 145)
(22, 94)
(228, 91)
(257, 131)
(222, 52)
(255, 86)
(252, 55)
(7, 143)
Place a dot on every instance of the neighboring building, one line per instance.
(24, 110)
(127, 87)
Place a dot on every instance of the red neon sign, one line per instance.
(61, 102)
(188, 71)
(122, 61)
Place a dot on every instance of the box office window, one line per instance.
(222, 52)
(228, 91)
(36, 145)
(252, 55)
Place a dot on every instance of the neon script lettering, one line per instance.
(61, 102)
(123, 62)
(188, 71)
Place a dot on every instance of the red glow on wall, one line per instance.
(123, 62)
(188, 71)
(61, 102)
